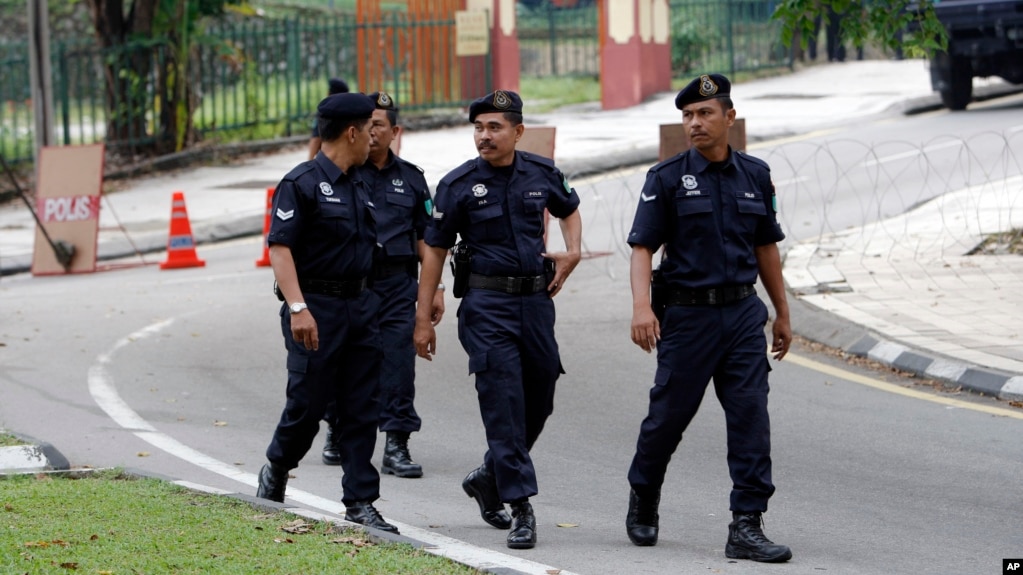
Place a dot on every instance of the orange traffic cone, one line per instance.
(180, 245)
(265, 260)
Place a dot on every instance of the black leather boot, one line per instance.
(746, 540)
(397, 460)
(273, 479)
(482, 487)
(523, 533)
(332, 446)
(363, 513)
(641, 521)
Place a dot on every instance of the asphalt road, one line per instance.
(181, 373)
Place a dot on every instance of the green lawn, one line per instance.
(110, 523)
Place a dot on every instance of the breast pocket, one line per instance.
(751, 208)
(487, 221)
(401, 203)
(689, 205)
(337, 216)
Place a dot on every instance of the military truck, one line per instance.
(985, 38)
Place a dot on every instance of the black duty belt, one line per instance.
(514, 286)
(387, 269)
(336, 288)
(712, 296)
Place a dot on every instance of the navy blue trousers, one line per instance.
(726, 344)
(398, 294)
(514, 356)
(344, 370)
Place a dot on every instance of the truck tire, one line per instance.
(958, 89)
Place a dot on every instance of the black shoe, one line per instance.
(746, 540)
(523, 533)
(480, 485)
(363, 513)
(332, 446)
(641, 521)
(397, 460)
(273, 480)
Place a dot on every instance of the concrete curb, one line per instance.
(33, 456)
(820, 326)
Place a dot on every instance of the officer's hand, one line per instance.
(782, 338)
(438, 307)
(564, 263)
(425, 338)
(303, 329)
(646, 330)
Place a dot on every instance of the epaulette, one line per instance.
(537, 159)
(668, 162)
(300, 169)
(752, 159)
(408, 163)
(460, 171)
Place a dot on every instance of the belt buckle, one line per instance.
(712, 296)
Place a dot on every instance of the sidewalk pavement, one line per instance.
(915, 306)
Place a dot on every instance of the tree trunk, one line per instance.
(127, 69)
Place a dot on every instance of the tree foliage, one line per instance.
(148, 45)
(906, 25)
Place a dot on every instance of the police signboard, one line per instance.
(69, 183)
(472, 34)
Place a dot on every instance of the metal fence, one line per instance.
(555, 40)
(725, 36)
(258, 80)
(559, 38)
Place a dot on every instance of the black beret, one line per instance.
(705, 87)
(383, 101)
(499, 101)
(350, 106)
(337, 86)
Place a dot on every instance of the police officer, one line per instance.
(713, 210)
(496, 203)
(322, 240)
(404, 205)
(334, 86)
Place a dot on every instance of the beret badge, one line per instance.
(501, 100)
(707, 86)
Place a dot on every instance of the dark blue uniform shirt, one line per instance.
(327, 219)
(499, 212)
(710, 217)
(404, 206)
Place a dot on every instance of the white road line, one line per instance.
(101, 387)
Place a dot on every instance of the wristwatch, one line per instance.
(297, 307)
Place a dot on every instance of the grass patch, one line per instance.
(8, 440)
(112, 523)
(546, 94)
(1010, 242)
